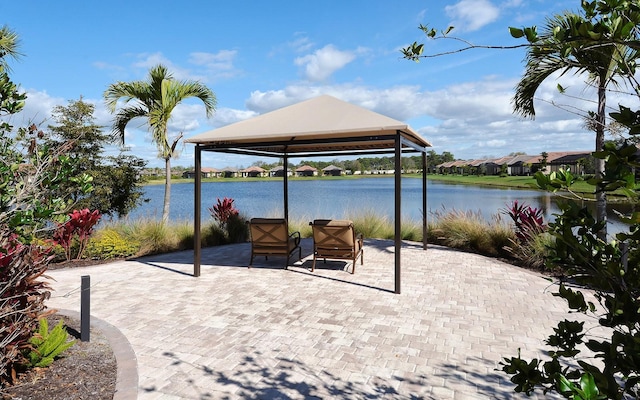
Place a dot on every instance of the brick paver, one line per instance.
(270, 333)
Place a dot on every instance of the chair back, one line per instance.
(269, 232)
(334, 234)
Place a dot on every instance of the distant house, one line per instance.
(278, 171)
(520, 165)
(253, 172)
(204, 172)
(452, 167)
(556, 160)
(332, 170)
(229, 172)
(306, 170)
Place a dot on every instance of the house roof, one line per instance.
(331, 168)
(322, 124)
(554, 155)
(253, 168)
(306, 168)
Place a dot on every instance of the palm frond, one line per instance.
(122, 119)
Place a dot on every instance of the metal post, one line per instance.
(285, 161)
(398, 213)
(85, 308)
(424, 200)
(196, 212)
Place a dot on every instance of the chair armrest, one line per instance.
(296, 237)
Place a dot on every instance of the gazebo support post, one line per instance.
(398, 214)
(196, 212)
(424, 200)
(285, 161)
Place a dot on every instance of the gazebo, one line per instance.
(321, 126)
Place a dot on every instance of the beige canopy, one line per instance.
(321, 126)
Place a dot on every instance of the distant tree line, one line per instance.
(369, 163)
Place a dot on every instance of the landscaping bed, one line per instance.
(87, 370)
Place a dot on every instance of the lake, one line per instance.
(342, 198)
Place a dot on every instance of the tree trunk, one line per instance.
(167, 191)
(601, 196)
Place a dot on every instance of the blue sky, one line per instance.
(258, 56)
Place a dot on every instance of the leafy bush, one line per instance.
(78, 228)
(223, 211)
(46, 346)
(22, 296)
(611, 369)
(109, 243)
(237, 229)
(230, 221)
(528, 220)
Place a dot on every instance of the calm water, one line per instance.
(320, 198)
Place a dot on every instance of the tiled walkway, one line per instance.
(270, 333)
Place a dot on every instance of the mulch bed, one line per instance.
(87, 370)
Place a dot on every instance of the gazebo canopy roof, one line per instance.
(322, 124)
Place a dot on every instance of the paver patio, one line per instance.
(269, 333)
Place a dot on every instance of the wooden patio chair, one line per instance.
(336, 239)
(270, 237)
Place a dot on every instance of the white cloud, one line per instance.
(324, 62)
(471, 15)
(301, 43)
(37, 109)
(226, 116)
(217, 65)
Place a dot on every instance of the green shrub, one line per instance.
(46, 346)
(468, 230)
(109, 243)
(237, 229)
(212, 235)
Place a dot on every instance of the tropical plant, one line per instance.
(78, 228)
(30, 175)
(612, 270)
(597, 43)
(528, 220)
(155, 100)
(223, 210)
(47, 345)
(601, 42)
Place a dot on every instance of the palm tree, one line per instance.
(155, 100)
(571, 42)
(8, 46)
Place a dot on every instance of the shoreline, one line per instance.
(492, 181)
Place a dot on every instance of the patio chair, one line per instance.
(336, 239)
(270, 237)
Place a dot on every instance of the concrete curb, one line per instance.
(127, 371)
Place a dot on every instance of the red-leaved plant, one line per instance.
(79, 226)
(223, 211)
(22, 295)
(528, 220)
